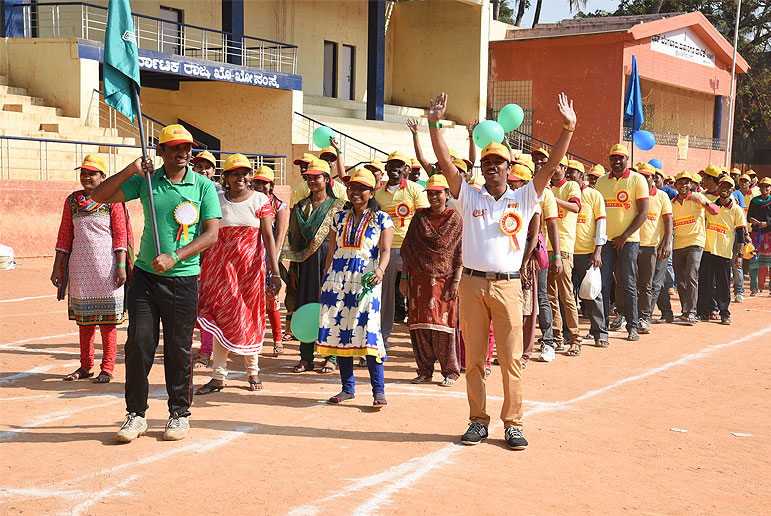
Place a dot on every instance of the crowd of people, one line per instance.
(478, 259)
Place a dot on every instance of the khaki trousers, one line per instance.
(559, 288)
(499, 301)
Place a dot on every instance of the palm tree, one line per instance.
(574, 4)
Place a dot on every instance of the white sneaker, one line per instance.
(547, 354)
(176, 428)
(134, 426)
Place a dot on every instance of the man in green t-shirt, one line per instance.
(164, 287)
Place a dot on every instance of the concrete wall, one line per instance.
(50, 68)
(677, 110)
(430, 54)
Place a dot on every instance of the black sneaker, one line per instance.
(515, 439)
(725, 319)
(475, 434)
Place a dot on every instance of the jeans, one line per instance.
(544, 309)
(563, 301)
(646, 267)
(345, 364)
(686, 262)
(388, 295)
(659, 294)
(626, 259)
(718, 269)
(593, 309)
(153, 299)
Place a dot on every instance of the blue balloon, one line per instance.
(644, 140)
(655, 162)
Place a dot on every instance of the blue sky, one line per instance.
(556, 10)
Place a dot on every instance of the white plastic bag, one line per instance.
(6, 258)
(591, 286)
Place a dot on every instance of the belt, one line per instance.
(492, 275)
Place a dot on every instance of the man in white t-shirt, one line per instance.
(495, 223)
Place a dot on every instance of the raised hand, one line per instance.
(471, 127)
(566, 110)
(438, 106)
(412, 125)
(333, 143)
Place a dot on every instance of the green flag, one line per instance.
(121, 59)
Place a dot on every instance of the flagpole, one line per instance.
(732, 98)
(150, 200)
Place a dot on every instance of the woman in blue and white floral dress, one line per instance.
(350, 312)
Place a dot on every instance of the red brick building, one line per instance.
(685, 77)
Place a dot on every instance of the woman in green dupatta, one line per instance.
(308, 249)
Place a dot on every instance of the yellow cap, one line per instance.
(697, 177)
(646, 169)
(236, 161)
(736, 171)
(576, 165)
(469, 164)
(328, 150)
(684, 175)
(174, 134)
(264, 173)
(453, 153)
(713, 171)
(415, 163)
(751, 173)
(94, 162)
(496, 149)
(727, 179)
(375, 164)
(596, 170)
(317, 167)
(306, 158)
(526, 161)
(564, 161)
(765, 181)
(363, 177)
(437, 182)
(745, 176)
(478, 182)
(619, 150)
(540, 150)
(459, 164)
(520, 172)
(398, 156)
(208, 156)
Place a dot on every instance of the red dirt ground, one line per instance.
(599, 425)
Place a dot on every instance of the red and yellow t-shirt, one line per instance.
(401, 206)
(592, 210)
(721, 230)
(620, 197)
(688, 220)
(747, 198)
(566, 191)
(658, 206)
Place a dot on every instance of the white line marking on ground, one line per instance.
(410, 472)
(35, 370)
(25, 298)
(10, 345)
(91, 499)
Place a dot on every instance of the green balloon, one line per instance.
(487, 132)
(305, 322)
(322, 135)
(511, 117)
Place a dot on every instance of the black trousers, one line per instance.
(174, 301)
(717, 269)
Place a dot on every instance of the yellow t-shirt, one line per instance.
(688, 221)
(566, 220)
(548, 212)
(658, 206)
(592, 210)
(747, 198)
(620, 197)
(302, 191)
(401, 206)
(721, 230)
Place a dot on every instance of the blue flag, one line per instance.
(121, 59)
(633, 109)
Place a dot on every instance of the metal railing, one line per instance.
(671, 140)
(89, 21)
(353, 149)
(55, 160)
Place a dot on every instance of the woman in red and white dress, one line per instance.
(232, 305)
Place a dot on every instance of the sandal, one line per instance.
(302, 366)
(448, 382)
(208, 389)
(288, 336)
(380, 400)
(341, 397)
(327, 368)
(255, 385)
(362, 362)
(601, 343)
(78, 374)
(421, 378)
(278, 348)
(575, 350)
(201, 361)
(104, 377)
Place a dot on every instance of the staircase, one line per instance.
(34, 157)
